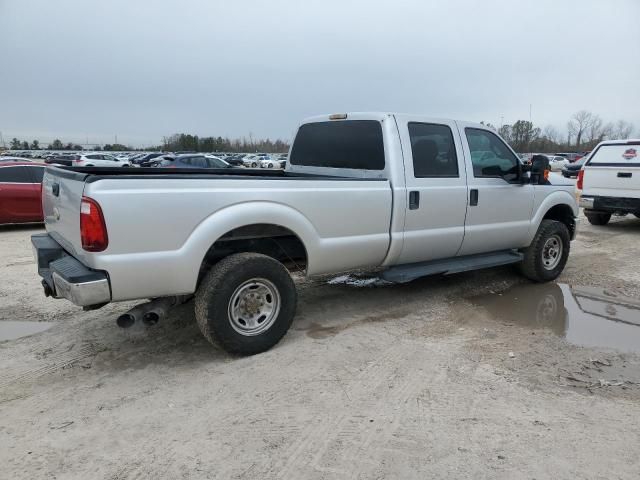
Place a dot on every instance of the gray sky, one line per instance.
(143, 69)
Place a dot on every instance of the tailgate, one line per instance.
(61, 198)
(613, 171)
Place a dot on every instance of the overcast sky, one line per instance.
(143, 69)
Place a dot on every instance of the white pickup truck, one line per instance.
(609, 181)
(405, 195)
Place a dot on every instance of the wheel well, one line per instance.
(271, 240)
(562, 213)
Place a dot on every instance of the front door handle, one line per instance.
(414, 200)
(473, 197)
(624, 174)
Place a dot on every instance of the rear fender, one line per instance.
(559, 197)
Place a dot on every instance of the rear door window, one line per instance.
(433, 150)
(199, 162)
(353, 144)
(17, 174)
(36, 174)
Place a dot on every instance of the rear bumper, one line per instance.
(65, 277)
(610, 204)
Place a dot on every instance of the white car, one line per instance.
(557, 163)
(252, 161)
(269, 163)
(98, 160)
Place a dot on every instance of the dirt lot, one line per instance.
(465, 376)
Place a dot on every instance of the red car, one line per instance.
(20, 192)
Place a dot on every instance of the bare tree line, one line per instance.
(584, 131)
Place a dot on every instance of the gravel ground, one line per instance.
(434, 379)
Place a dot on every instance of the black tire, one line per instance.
(597, 218)
(89, 165)
(220, 286)
(254, 165)
(533, 266)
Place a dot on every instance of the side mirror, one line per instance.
(492, 171)
(540, 170)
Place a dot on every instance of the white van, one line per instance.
(609, 182)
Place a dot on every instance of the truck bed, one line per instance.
(162, 222)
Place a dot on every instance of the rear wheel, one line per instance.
(547, 255)
(598, 218)
(246, 303)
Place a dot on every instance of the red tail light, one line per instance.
(93, 230)
(580, 180)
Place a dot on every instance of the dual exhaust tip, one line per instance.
(148, 313)
(129, 319)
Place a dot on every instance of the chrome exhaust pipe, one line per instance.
(158, 309)
(151, 312)
(130, 318)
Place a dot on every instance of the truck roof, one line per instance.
(620, 142)
(380, 115)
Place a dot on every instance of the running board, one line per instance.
(411, 271)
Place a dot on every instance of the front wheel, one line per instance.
(596, 218)
(246, 303)
(547, 255)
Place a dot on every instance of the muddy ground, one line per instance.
(477, 375)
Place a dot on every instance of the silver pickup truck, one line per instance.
(405, 195)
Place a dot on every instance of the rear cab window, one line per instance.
(349, 144)
(616, 155)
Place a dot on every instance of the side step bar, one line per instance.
(411, 271)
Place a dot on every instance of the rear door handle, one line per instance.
(55, 189)
(414, 200)
(473, 197)
(624, 174)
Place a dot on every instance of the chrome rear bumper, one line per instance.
(65, 277)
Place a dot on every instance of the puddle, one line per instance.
(585, 316)
(10, 330)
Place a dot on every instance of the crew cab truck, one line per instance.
(404, 195)
(609, 181)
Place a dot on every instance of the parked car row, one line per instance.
(147, 159)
